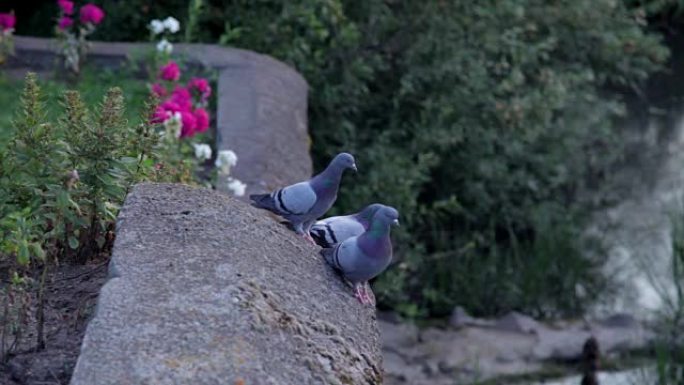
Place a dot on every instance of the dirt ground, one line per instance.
(71, 296)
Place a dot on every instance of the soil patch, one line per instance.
(70, 300)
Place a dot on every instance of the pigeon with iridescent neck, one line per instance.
(364, 257)
(330, 231)
(304, 202)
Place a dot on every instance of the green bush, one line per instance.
(511, 100)
(483, 122)
(62, 182)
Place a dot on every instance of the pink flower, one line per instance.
(159, 90)
(161, 114)
(201, 85)
(189, 123)
(65, 22)
(171, 106)
(182, 97)
(202, 119)
(91, 13)
(7, 21)
(170, 72)
(66, 6)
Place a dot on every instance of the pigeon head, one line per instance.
(367, 213)
(387, 215)
(383, 218)
(328, 181)
(343, 161)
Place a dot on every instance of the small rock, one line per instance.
(17, 371)
(561, 345)
(460, 318)
(433, 367)
(516, 322)
(395, 366)
(400, 335)
(444, 367)
(620, 320)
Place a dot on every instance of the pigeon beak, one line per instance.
(395, 222)
(353, 167)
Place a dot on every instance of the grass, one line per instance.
(92, 86)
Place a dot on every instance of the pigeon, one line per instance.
(330, 231)
(365, 256)
(304, 202)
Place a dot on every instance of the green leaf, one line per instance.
(23, 253)
(127, 160)
(62, 200)
(73, 242)
(37, 250)
(75, 205)
(17, 280)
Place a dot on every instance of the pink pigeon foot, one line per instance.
(367, 297)
(308, 237)
(359, 293)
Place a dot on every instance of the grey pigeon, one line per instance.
(365, 256)
(330, 231)
(304, 202)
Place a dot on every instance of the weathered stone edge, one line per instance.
(209, 55)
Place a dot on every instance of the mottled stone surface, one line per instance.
(261, 115)
(208, 290)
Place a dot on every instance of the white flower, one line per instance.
(174, 124)
(236, 187)
(156, 26)
(171, 24)
(225, 160)
(164, 46)
(202, 151)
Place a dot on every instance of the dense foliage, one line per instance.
(62, 181)
(483, 122)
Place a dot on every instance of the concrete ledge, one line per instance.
(209, 55)
(208, 290)
(261, 106)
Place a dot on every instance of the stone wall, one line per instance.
(205, 289)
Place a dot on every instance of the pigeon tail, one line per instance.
(263, 201)
(319, 235)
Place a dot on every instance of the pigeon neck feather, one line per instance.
(376, 241)
(328, 180)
